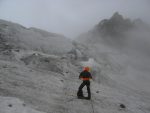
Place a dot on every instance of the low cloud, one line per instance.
(69, 17)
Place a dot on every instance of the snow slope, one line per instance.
(36, 81)
(18, 36)
(121, 46)
(50, 86)
(14, 105)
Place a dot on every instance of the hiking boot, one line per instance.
(87, 98)
(80, 94)
(81, 97)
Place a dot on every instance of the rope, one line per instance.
(92, 107)
(92, 103)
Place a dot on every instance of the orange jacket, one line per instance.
(85, 78)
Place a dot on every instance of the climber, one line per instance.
(85, 75)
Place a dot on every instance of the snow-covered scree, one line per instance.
(18, 36)
(35, 80)
(14, 105)
(42, 87)
(121, 47)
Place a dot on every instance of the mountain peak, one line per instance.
(114, 26)
(117, 16)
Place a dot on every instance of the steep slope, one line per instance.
(36, 80)
(18, 36)
(49, 83)
(14, 105)
(121, 46)
(114, 31)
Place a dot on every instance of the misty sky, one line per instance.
(70, 17)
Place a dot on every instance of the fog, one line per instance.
(70, 17)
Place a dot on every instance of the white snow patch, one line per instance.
(91, 63)
(14, 105)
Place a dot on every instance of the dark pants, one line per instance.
(80, 92)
